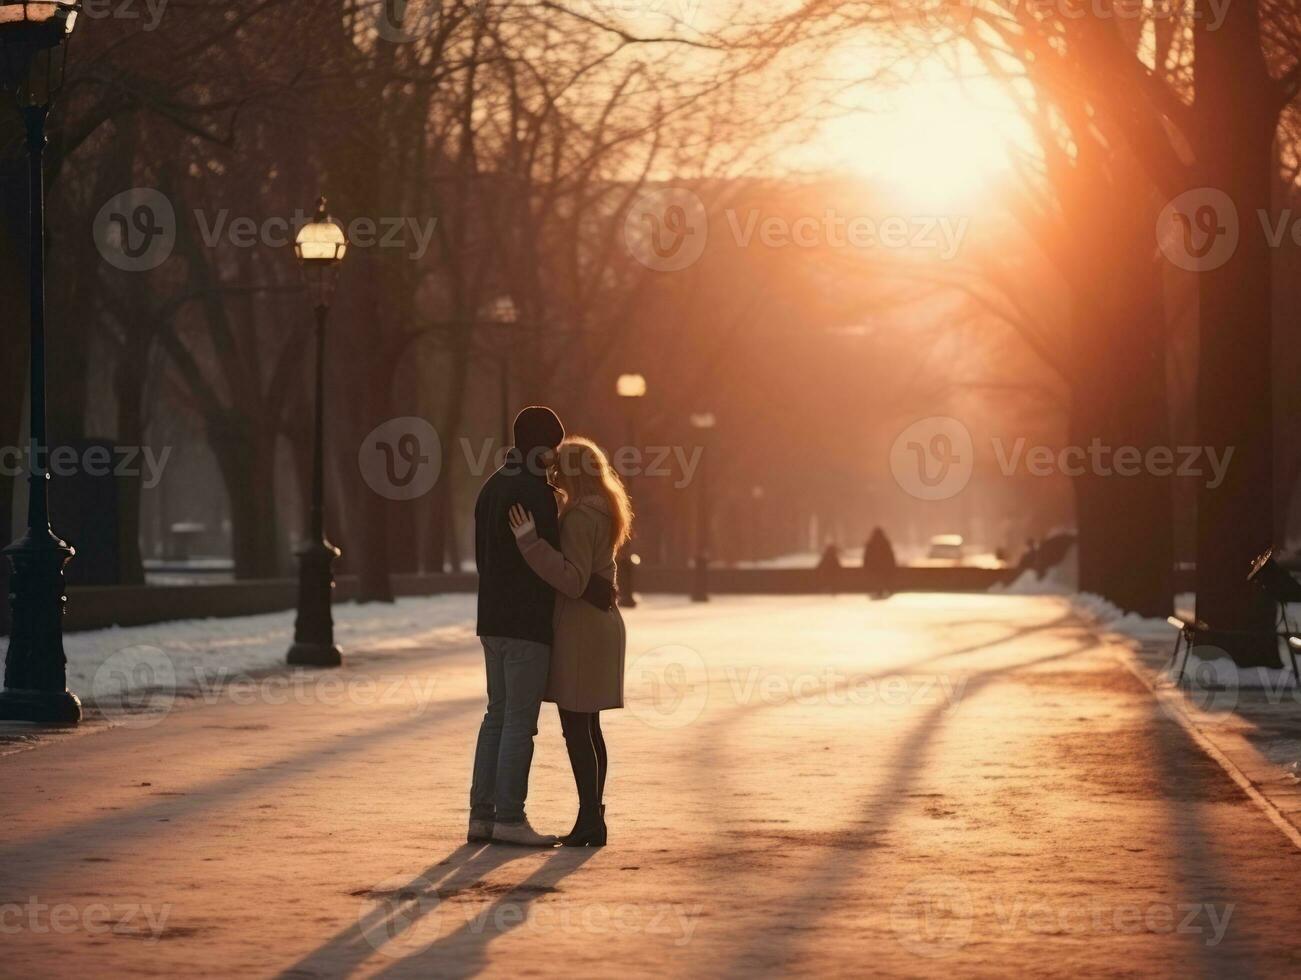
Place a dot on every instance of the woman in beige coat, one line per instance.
(587, 654)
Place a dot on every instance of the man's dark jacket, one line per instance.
(513, 602)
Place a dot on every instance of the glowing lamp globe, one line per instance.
(320, 247)
(630, 386)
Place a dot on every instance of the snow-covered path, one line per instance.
(927, 786)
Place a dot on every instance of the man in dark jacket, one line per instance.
(515, 624)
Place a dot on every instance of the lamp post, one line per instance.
(504, 313)
(320, 248)
(703, 423)
(632, 389)
(33, 46)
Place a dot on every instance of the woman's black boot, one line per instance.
(589, 831)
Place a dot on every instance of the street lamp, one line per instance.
(320, 248)
(702, 422)
(632, 389)
(504, 313)
(33, 55)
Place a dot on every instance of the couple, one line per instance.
(548, 621)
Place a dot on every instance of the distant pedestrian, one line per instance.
(1029, 558)
(879, 565)
(829, 568)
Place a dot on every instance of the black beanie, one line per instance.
(537, 427)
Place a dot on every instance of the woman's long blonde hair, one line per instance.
(583, 470)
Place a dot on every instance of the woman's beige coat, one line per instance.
(587, 655)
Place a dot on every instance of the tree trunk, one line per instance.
(436, 542)
(1236, 118)
(248, 473)
(1125, 506)
(130, 432)
(372, 542)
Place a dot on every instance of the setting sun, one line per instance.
(934, 145)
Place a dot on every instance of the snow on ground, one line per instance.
(928, 786)
(109, 664)
(1259, 707)
(1062, 579)
(1208, 664)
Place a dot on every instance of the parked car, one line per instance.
(947, 549)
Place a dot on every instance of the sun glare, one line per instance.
(933, 148)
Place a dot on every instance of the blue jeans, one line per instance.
(517, 679)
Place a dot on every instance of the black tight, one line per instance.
(587, 755)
